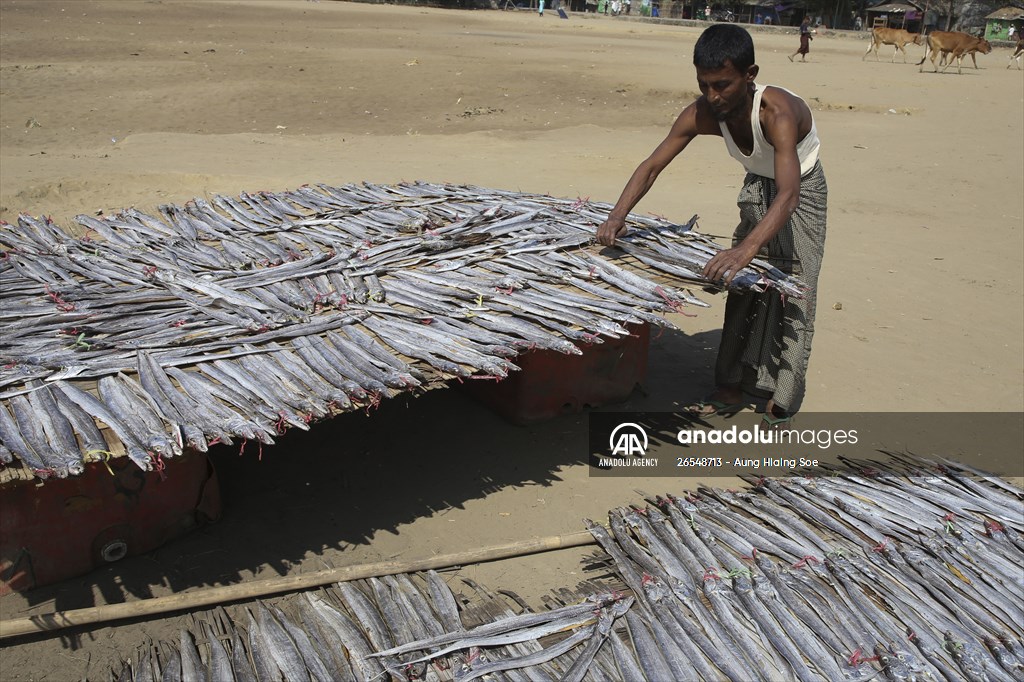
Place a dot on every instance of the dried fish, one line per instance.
(188, 286)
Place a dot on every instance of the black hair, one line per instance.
(723, 43)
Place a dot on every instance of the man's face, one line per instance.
(725, 89)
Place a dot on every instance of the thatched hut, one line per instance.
(1004, 24)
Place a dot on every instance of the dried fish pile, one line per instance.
(905, 571)
(354, 631)
(240, 318)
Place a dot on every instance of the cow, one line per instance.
(892, 36)
(1018, 51)
(956, 44)
(945, 57)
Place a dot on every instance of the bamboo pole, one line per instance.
(59, 620)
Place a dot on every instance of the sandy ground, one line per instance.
(115, 103)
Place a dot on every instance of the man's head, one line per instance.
(724, 59)
(722, 43)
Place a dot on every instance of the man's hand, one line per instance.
(726, 264)
(610, 230)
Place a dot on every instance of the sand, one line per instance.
(111, 104)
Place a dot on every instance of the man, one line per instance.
(766, 341)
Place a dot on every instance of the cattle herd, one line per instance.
(947, 46)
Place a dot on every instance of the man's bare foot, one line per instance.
(774, 416)
(724, 400)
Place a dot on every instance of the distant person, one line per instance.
(766, 340)
(857, 24)
(805, 40)
(759, 19)
(768, 20)
(541, 6)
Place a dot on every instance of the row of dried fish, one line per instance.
(905, 570)
(158, 405)
(153, 403)
(398, 627)
(723, 587)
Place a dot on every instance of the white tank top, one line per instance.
(761, 160)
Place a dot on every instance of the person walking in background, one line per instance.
(541, 6)
(766, 340)
(805, 40)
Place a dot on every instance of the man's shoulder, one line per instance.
(779, 98)
(776, 91)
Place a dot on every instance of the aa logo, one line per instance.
(628, 440)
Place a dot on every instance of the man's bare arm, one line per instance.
(685, 128)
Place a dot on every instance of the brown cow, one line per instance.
(973, 52)
(1017, 52)
(892, 36)
(956, 44)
